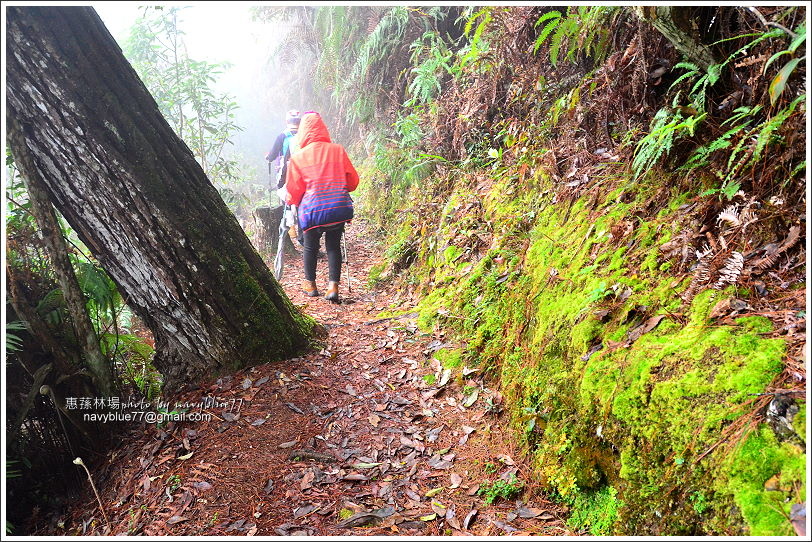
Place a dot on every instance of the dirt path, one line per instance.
(351, 440)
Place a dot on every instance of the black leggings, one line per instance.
(332, 245)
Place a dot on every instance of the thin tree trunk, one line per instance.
(82, 123)
(57, 251)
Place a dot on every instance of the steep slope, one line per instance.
(636, 292)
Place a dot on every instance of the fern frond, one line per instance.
(769, 260)
(730, 215)
(730, 272)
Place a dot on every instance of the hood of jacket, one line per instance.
(311, 130)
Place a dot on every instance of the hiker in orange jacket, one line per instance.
(319, 179)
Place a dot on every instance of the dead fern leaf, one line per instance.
(769, 260)
(730, 215)
(729, 274)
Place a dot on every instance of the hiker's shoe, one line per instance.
(332, 292)
(309, 287)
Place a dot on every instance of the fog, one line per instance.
(224, 32)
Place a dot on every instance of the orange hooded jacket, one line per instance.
(320, 176)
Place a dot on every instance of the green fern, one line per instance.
(666, 129)
(427, 73)
(134, 357)
(768, 129)
(583, 31)
(96, 284)
(52, 307)
(554, 18)
(477, 45)
(14, 343)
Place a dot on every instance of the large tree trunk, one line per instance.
(676, 24)
(92, 135)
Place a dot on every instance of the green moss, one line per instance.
(756, 460)
(450, 358)
(618, 434)
(799, 421)
(345, 513)
(596, 511)
(375, 273)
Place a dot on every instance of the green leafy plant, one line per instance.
(532, 418)
(500, 489)
(173, 483)
(427, 72)
(779, 82)
(700, 502)
(667, 127)
(477, 46)
(582, 31)
(14, 342)
(183, 89)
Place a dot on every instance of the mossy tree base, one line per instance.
(82, 122)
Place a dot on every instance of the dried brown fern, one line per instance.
(769, 259)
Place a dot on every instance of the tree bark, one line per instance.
(674, 23)
(269, 218)
(90, 132)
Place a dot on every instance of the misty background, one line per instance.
(221, 32)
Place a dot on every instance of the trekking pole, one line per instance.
(344, 257)
(279, 260)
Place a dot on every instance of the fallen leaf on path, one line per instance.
(202, 486)
(185, 457)
(506, 459)
(176, 519)
(258, 421)
(432, 492)
(307, 480)
(374, 420)
(469, 518)
(304, 510)
(430, 517)
(456, 480)
(364, 518)
(533, 513)
(471, 399)
(504, 526)
(365, 465)
(438, 508)
(643, 328)
(290, 444)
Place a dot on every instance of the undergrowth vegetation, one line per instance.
(612, 230)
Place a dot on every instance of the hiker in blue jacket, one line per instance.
(280, 152)
(281, 148)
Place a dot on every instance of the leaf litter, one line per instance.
(336, 442)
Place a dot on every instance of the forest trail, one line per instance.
(349, 440)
